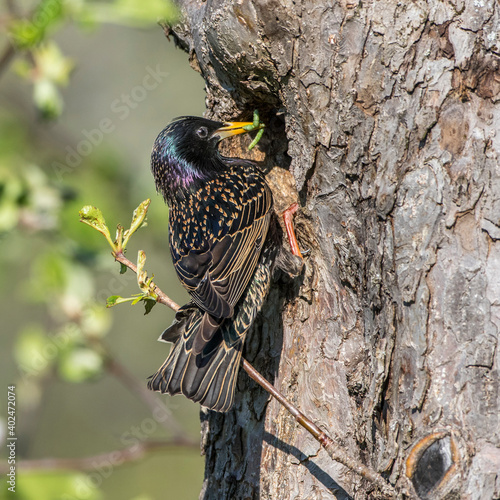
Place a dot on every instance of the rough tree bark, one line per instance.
(386, 114)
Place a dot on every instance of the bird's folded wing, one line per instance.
(216, 278)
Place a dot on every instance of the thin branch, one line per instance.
(9, 51)
(161, 297)
(112, 458)
(6, 57)
(334, 451)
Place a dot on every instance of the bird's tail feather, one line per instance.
(209, 376)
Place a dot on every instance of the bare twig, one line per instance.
(161, 297)
(334, 451)
(9, 51)
(6, 57)
(112, 458)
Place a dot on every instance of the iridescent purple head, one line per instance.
(186, 153)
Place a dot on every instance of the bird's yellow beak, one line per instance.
(233, 128)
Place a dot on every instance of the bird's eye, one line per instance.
(202, 132)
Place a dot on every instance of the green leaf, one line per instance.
(111, 301)
(148, 300)
(114, 300)
(138, 221)
(148, 305)
(93, 217)
(137, 299)
(26, 33)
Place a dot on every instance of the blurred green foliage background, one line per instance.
(85, 87)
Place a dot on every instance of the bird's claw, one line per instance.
(290, 231)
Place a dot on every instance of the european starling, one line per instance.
(220, 212)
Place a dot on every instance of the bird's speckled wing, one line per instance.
(216, 247)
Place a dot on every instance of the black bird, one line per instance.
(220, 211)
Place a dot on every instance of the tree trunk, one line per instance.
(386, 114)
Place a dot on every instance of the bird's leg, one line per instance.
(290, 231)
